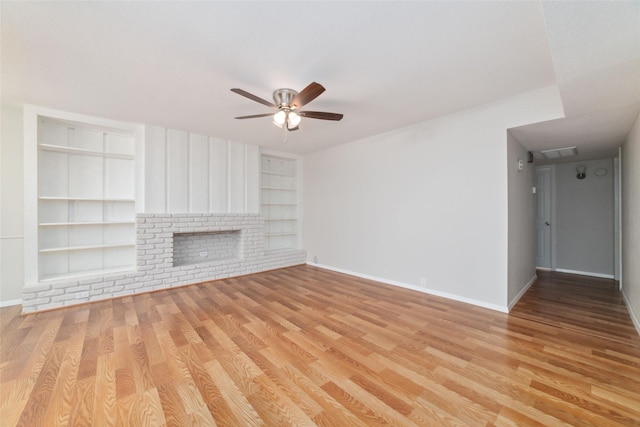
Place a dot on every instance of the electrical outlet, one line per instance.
(423, 282)
(80, 295)
(204, 254)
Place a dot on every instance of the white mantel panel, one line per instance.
(177, 171)
(155, 169)
(191, 173)
(237, 176)
(218, 165)
(252, 184)
(198, 174)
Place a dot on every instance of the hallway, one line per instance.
(583, 304)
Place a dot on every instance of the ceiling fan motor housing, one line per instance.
(283, 97)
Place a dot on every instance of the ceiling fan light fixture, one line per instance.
(294, 119)
(279, 118)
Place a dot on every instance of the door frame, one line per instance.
(552, 203)
(617, 220)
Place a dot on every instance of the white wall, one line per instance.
(631, 222)
(191, 173)
(427, 201)
(522, 221)
(584, 219)
(11, 206)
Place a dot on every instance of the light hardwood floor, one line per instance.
(304, 346)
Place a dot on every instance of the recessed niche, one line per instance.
(209, 246)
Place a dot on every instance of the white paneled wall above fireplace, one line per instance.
(191, 173)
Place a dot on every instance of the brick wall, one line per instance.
(196, 248)
(155, 267)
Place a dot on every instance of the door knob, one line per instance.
(547, 223)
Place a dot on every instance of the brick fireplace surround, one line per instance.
(155, 266)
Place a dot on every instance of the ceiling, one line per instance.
(385, 65)
(595, 48)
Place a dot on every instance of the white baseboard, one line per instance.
(10, 302)
(633, 316)
(502, 309)
(522, 292)
(585, 273)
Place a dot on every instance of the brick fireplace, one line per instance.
(203, 253)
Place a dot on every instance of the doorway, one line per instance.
(544, 187)
(577, 218)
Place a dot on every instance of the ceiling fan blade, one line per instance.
(253, 97)
(255, 116)
(307, 95)
(321, 115)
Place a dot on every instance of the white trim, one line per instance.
(10, 303)
(502, 309)
(634, 319)
(522, 292)
(585, 273)
(11, 237)
(618, 267)
(554, 235)
(66, 116)
(30, 227)
(139, 166)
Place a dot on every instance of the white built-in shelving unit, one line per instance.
(86, 199)
(279, 201)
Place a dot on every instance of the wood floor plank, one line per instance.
(104, 401)
(306, 346)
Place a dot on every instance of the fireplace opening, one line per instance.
(209, 246)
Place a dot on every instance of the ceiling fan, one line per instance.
(288, 102)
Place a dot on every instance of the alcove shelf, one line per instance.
(279, 201)
(86, 199)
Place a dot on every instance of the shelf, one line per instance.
(279, 173)
(85, 247)
(64, 224)
(279, 188)
(82, 151)
(62, 276)
(87, 199)
(278, 204)
(280, 249)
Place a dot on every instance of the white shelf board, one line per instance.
(85, 247)
(84, 152)
(279, 173)
(279, 188)
(280, 234)
(279, 204)
(280, 249)
(86, 199)
(64, 224)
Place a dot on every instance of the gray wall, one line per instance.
(585, 218)
(630, 184)
(522, 221)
